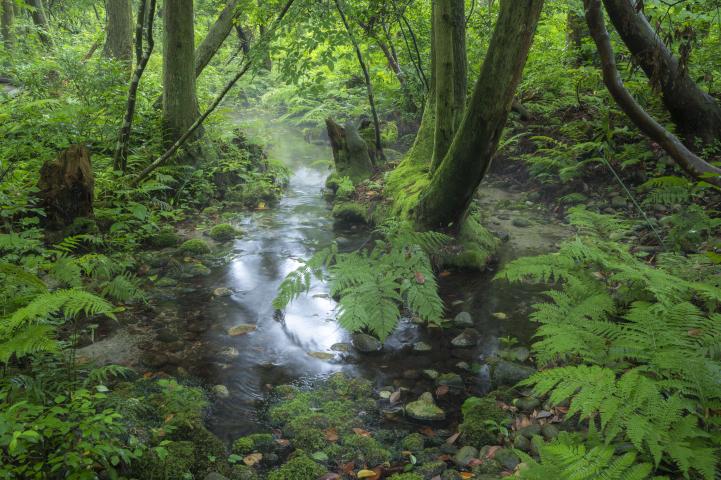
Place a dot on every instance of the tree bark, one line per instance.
(216, 36)
(7, 26)
(695, 113)
(449, 38)
(693, 165)
(446, 199)
(119, 27)
(350, 152)
(367, 78)
(120, 157)
(180, 103)
(37, 13)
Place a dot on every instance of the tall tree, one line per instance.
(445, 201)
(216, 36)
(180, 103)
(37, 12)
(695, 113)
(119, 28)
(7, 21)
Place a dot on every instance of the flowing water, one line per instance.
(282, 347)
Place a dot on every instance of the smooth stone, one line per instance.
(222, 292)
(425, 409)
(421, 347)
(450, 379)
(618, 201)
(228, 353)
(154, 359)
(432, 374)
(221, 391)
(530, 431)
(463, 366)
(517, 354)
(241, 329)
(549, 431)
(522, 443)
(520, 222)
(507, 459)
(465, 455)
(509, 373)
(527, 404)
(341, 347)
(365, 343)
(196, 270)
(166, 282)
(500, 315)
(463, 320)
(468, 338)
(322, 355)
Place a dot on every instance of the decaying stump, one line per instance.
(66, 187)
(350, 151)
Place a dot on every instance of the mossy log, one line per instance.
(350, 151)
(66, 187)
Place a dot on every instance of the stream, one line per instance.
(191, 329)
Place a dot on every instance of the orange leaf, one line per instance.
(361, 432)
(252, 459)
(467, 475)
(428, 432)
(452, 439)
(331, 435)
(347, 468)
(444, 273)
(441, 390)
(420, 278)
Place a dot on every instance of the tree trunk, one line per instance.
(180, 104)
(7, 24)
(695, 113)
(445, 201)
(119, 38)
(267, 61)
(66, 187)
(369, 87)
(576, 29)
(693, 165)
(350, 151)
(216, 36)
(40, 20)
(451, 71)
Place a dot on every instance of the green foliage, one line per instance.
(299, 467)
(638, 342)
(480, 415)
(195, 246)
(344, 189)
(373, 284)
(223, 232)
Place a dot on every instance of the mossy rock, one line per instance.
(413, 442)
(195, 246)
(175, 465)
(406, 476)
(165, 238)
(223, 232)
(477, 412)
(253, 443)
(333, 182)
(350, 212)
(431, 469)
(300, 467)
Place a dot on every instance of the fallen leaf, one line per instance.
(361, 432)
(420, 278)
(331, 435)
(347, 468)
(492, 451)
(475, 461)
(452, 439)
(467, 475)
(261, 206)
(395, 397)
(330, 476)
(367, 474)
(252, 459)
(441, 390)
(169, 417)
(282, 442)
(444, 273)
(428, 432)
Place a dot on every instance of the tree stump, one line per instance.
(350, 151)
(66, 187)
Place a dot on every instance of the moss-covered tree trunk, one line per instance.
(37, 12)
(445, 201)
(180, 104)
(7, 24)
(449, 39)
(350, 151)
(119, 30)
(216, 36)
(695, 113)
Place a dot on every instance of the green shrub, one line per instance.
(223, 232)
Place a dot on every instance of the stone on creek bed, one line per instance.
(425, 409)
(241, 329)
(365, 343)
(468, 338)
(510, 373)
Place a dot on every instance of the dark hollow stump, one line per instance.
(350, 151)
(66, 187)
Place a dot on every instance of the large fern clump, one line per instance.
(374, 284)
(633, 346)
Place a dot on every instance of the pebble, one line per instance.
(241, 329)
(221, 391)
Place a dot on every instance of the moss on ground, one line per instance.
(195, 246)
(300, 467)
(350, 212)
(479, 417)
(165, 238)
(223, 232)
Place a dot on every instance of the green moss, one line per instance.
(252, 443)
(413, 442)
(364, 450)
(165, 238)
(404, 185)
(175, 464)
(306, 432)
(477, 412)
(242, 472)
(243, 446)
(332, 182)
(345, 190)
(350, 212)
(195, 246)
(406, 476)
(431, 469)
(223, 232)
(355, 388)
(389, 133)
(477, 246)
(298, 468)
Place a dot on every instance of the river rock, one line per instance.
(500, 315)
(241, 329)
(509, 373)
(421, 347)
(618, 201)
(228, 353)
(549, 431)
(507, 459)
(463, 320)
(365, 343)
(520, 222)
(431, 374)
(221, 391)
(154, 359)
(341, 347)
(527, 404)
(517, 354)
(425, 409)
(468, 338)
(465, 455)
(222, 292)
(450, 379)
(322, 355)
(522, 443)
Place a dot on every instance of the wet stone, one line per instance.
(365, 343)
(222, 292)
(468, 338)
(507, 459)
(527, 404)
(228, 353)
(425, 409)
(421, 347)
(500, 315)
(322, 355)
(465, 455)
(221, 391)
(509, 373)
(450, 379)
(241, 329)
(431, 374)
(341, 347)
(463, 320)
(520, 222)
(154, 359)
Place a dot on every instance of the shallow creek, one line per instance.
(296, 347)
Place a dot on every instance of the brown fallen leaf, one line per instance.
(441, 390)
(252, 459)
(331, 435)
(282, 442)
(467, 475)
(428, 432)
(492, 451)
(347, 468)
(395, 397)
(475, 461)
(444, 273)
(452, 439)
(361, 432)
(420, 278)
(695, 332)
(330, 476)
